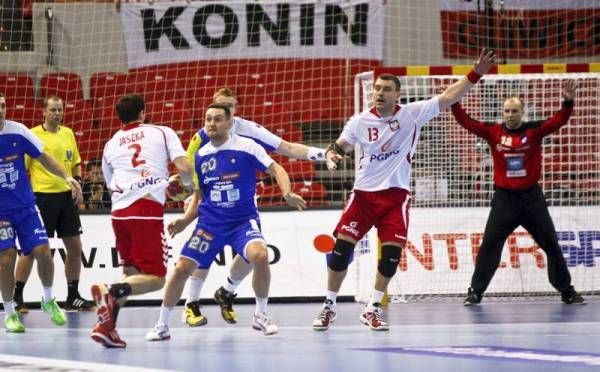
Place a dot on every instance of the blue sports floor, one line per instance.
(517, 335)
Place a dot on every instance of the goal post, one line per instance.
(452, 185)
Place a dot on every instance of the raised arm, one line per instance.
(283, 180)
(455, 92)
(561, 118)
(476, 127)
(300, 151)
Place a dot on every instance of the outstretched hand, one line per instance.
(568, 89)
(295, 201)
(487, 58)
(331, 159)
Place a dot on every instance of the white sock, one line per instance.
(47, 294)
(231, 284)
(9, 307)
(163, 318)
(377, 297)
(331, 296)
(261, 305)
(194, 288)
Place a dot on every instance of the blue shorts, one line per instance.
(26, 225)
(204, 246)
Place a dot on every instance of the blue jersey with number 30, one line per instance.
(227, 180)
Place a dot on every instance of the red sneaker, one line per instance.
(106, 338)
(372, 316)
(106, 306)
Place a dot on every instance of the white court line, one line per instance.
(19, 362)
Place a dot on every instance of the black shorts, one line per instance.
(59, 213)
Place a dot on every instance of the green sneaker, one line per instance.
(56, 314)
(13, 324)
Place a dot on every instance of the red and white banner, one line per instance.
(439, 257)
(521, 29)
(167, 32)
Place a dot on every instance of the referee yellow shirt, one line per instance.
(61, 146)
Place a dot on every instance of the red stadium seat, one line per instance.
(24, 111)
(287, 131)
(156, 86)
(174, 113)
(106, 86)
(66, 85)
(314, 193)
(297, 169)
(17, 87)
(78, 115)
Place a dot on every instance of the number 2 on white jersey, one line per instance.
(137, 149)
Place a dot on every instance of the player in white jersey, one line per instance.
(239, 269)
(226, 169)
(135, 167)
(20, 218)
(386, 136)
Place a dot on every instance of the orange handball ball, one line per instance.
(324, 243)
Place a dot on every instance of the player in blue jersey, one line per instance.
(239, 269)
(226, 185)
(20, 219)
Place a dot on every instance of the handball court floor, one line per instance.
(516, 335)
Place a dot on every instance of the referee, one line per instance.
(518, 200)
(58, 209)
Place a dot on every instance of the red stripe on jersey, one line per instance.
(130, 126)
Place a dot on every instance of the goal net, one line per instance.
(452, 186)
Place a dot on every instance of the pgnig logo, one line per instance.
(384, 156)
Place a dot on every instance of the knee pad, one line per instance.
(388, 263)
(340, 257)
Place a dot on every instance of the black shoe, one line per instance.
(572, 297)
(20, 306)
(472, 298)
(225, 300)
(79, 303)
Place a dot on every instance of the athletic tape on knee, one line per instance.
(388, 263)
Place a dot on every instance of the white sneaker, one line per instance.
(326, 317)
(262, 322)
(160, 332)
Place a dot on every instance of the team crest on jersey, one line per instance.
(394, 125)
(386, 146)
(69, 154)
(145, 172)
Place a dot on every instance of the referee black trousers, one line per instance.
(511, 209)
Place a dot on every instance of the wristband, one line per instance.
(473, 77)
(78, 179)
(187, 179)
(337, 148)
(315, 154)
